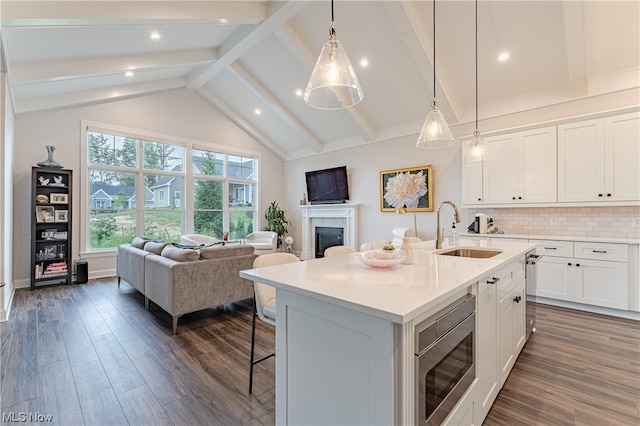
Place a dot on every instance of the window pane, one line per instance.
(112, 150)
(208, 207)
(241, 167)
(163, 215)
(208, 163)
(208, 223)
(112, 210)
(159, 156)
(241, 212)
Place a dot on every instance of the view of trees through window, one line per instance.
(124, 170)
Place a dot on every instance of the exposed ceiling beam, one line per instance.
(241, 122)
(230, 51)
(58, 70)
(419, 44)
(574, 18)
(40, 13)
(301, 52)
(258, 90)
(88, 97)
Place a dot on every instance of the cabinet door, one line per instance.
(601, 283)
(553, 278)
(581, 161)
(499, 174)
(471, 180)
(537, 175)
(622, 157)
(487, 368)
(511, 329)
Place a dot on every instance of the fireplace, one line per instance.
(341, 216)
(327, 237)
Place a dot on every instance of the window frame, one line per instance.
(187, 175)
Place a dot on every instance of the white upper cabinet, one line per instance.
(599, 160)
(471, 180)
(521, 168)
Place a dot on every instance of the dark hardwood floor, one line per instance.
(90, 354)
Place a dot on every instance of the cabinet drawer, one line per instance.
(505, 281)
(553, 248)
(601, 251)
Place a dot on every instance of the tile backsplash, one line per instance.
(606, 222)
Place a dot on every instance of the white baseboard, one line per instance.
(588, 308)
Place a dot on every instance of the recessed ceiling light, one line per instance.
(364, 63)
(257, 111)
(298, 92)
(129, 74)
(503, 56)
(155, 36)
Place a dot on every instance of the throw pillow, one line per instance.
(139, 242)
(153, 247)
(180, 254)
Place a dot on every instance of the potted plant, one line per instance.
(276, 221)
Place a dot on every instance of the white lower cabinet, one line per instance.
(487, 386)
(511, 329)
(596, 275)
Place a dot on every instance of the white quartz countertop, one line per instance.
(399, 294)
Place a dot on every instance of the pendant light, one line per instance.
(333, 83)
(477, 149)
(435, 132)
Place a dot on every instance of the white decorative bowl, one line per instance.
(379, 258)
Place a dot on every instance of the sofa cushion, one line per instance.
(219, 252)
(154, 247)
(139, 242)
(180, 254)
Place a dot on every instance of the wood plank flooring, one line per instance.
(91, 355)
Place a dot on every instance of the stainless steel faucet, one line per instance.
(439, 232)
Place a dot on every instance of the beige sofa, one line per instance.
(182, 281)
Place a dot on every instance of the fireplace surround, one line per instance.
(327, 215)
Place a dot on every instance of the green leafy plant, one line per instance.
(388, 246)
(276, 221)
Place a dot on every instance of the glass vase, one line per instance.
(407, 250)
(50, 162)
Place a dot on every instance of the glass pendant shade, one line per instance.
(435, 132)
(477, 151)
(333, 83)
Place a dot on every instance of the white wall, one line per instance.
(180, 113)
(364, 165)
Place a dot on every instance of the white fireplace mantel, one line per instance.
(336, 215)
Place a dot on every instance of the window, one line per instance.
(124, 167)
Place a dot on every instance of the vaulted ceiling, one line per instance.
(244, 56)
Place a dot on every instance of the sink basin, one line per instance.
(470, 252)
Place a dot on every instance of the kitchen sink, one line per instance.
(470, 252)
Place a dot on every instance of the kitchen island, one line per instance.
(345, 332)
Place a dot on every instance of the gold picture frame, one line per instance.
(410, 188)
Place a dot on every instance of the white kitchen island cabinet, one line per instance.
(345, 343)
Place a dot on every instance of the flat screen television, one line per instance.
(327, 186)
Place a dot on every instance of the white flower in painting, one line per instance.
(405, 189)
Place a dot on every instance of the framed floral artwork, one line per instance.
(410, 188)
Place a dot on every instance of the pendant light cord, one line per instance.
(332, 30)
(434, 48)
(476, 64)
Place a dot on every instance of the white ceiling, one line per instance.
(248, 55)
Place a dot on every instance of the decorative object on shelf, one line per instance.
(44, 214)
(435, 132)
(61, 215)
(276, 221)
(43, 181)
(59, 198)
(410, 189)
(60, 235)
(58, 181)
(333, 83)
(50, 162)
(42, 198)
(477, 149)
(49, 234)
(288, 242)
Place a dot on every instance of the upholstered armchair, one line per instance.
(197, 240)
(262, 241)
